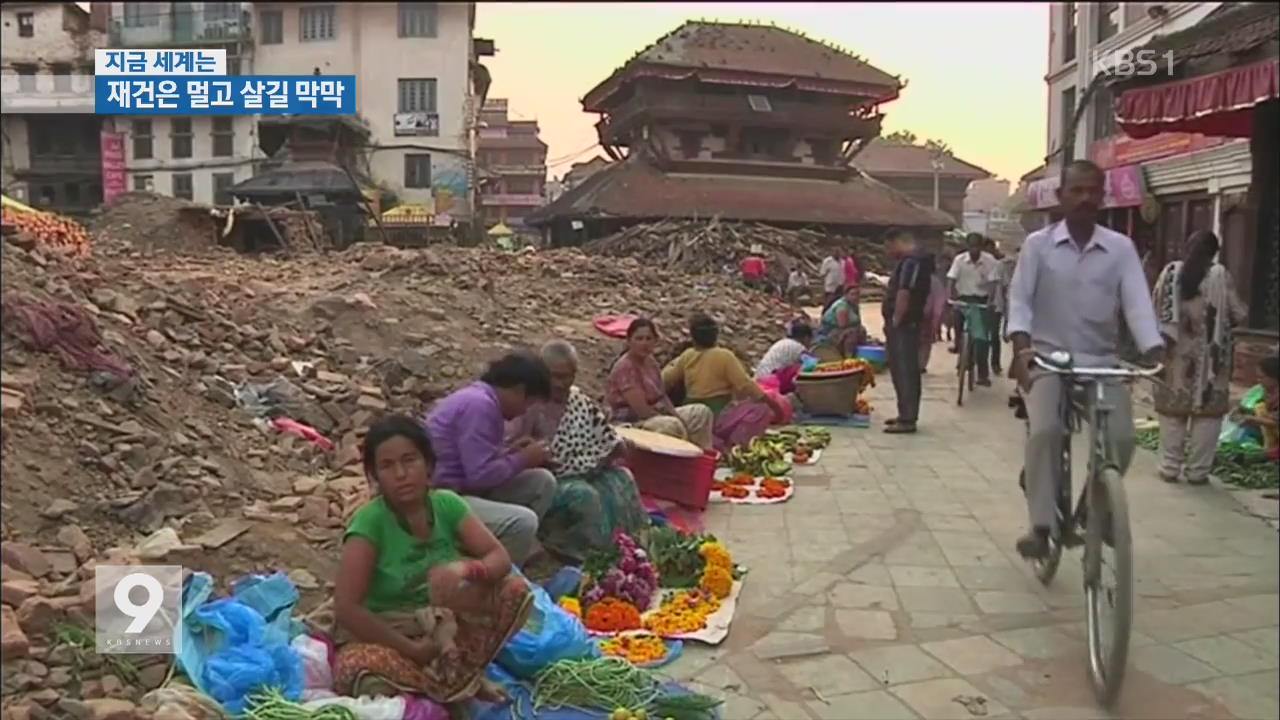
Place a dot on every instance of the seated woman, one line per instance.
(636, 396)
(783, 359)
(594, 496)
(715, 377)
(424, 597)
(842, 324)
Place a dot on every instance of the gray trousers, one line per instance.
(1188, 445)
(1044, 441)
(512, 511)
(904, 369)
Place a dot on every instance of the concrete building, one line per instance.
(50, 154)
(516, 161)
(986, 195)
(419, 86)
(196, 157)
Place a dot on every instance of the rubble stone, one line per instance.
(13, 641)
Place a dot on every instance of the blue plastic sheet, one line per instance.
(229, 649)
(551, 634)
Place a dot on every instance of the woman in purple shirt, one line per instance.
(509, 489)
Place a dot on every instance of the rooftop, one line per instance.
(713, 49)
(635, 189)
(888, 158)
(1232, 30)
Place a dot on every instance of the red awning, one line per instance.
(1218, 104)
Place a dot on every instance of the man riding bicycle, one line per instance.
(1072, 282)
(970, 279)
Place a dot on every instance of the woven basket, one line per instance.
(829, 396)
(826, 353)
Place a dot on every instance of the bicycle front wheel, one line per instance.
(1108, 583)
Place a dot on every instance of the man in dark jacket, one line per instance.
(903, 307)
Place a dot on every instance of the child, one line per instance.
(1264, 415)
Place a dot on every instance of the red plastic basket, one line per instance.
(682, 480)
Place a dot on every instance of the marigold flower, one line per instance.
(716, 555)
(572, 606)
(612, 615)
(717, 581)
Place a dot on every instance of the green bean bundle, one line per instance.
(270, 704)
(603, 684)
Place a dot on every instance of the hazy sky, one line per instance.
(975, 71)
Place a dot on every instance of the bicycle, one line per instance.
(1102, 513)
(966, 358)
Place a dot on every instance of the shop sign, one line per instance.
(1123, 150)
(111, 147)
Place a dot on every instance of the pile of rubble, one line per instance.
(206, 409)
(712, 246)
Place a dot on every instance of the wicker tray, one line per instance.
(829, 395)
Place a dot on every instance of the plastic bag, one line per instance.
(551, 634)
(246, 659)
(316, 673)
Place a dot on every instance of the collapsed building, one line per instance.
(741, 123)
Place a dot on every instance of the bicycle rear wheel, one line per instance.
(1109, 607)
(962, 364)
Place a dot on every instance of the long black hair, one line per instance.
(391, 426)
(1204, 246)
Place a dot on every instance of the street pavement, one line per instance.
(888, 588)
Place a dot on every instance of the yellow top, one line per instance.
(711, 373)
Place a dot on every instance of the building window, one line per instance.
(26, 24)
(1108, 19)
(417, 171)
(1134, 12)
(1068, 114)
(317, 23)
(1070, 24)
(222, 183)
(271, 25)
(221, 11)
(180, 137)
(418, 20)
(182, 186)
(1104, 114)
(61, 77)
(143, 183)
(142, 141)
(141, 14)
(417, 95)
(224, 136)
(690, 144)
(520, 186)
(26, 76)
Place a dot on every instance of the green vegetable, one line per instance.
(685, 707)
(1237, 465)
(601, 684)
(675, 556)
(270, 704)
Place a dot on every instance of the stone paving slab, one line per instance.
(888, 588)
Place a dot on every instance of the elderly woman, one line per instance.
(713, 376)
(1197, 306)
(594, 496)
(424, 597)
(636, 396)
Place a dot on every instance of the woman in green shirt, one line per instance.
(424, 598)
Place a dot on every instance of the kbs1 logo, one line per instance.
(1140, 63)
(138, 609)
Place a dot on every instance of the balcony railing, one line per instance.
(198, 26)
(523, 200)
(518, 169)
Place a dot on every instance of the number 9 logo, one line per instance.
(144, 613)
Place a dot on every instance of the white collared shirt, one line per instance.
(973, 278)
(1071, 299)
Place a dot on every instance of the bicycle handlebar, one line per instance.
(1088, 372)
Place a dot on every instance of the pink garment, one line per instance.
(783, 381)
(850, 272)
(740, 423)
(306, 432)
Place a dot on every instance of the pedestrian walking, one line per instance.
(904, 313)
(1196, 305)
(832, 272)
(999, 302)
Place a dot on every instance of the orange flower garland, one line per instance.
(637, 649)
(612, 615)
(717, 581)
(684, 612)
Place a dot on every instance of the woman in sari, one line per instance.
(842, 324)
(594, 495)
(1196, 306)
(713, 376)
(635, 394)
(415, 562)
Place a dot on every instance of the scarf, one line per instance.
(1216, 292)
(584, 440)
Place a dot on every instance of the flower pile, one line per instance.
(631, 578)
(637, 649)
(571, 606)
(682, 613)
(612, 615)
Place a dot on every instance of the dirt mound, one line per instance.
(147, 221)
(712, 246)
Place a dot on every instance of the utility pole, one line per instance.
(937, 168)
